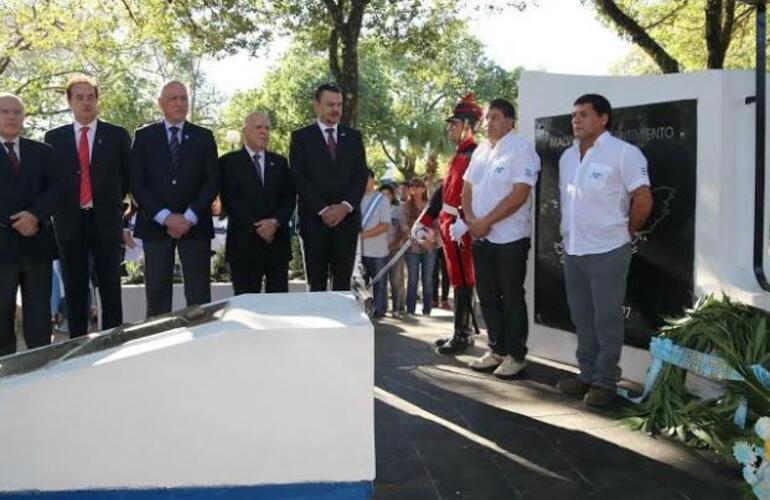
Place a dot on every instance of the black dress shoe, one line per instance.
(457, 344)
(442, 341)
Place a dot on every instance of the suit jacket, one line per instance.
(155, 186)
(109, 169)
(246, 201)
(320, 180)
(36, 188)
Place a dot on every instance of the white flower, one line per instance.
(744, 453)
(750, 475)
(762, 428)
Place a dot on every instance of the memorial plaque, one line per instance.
(660, 282)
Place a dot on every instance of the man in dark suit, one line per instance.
(174, 179)
(328, 164)
(93, 158)
(258, 196)
(29, 190)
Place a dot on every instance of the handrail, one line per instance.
(759, 174)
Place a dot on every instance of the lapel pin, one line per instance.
(186, 137)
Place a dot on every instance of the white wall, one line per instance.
(278, 391)
(725, 186)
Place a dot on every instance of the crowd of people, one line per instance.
(64, 197)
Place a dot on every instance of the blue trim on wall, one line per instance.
(305, 491)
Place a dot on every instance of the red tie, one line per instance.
(85, 169)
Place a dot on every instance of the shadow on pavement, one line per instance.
(434, 440)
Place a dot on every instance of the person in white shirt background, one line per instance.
(396, 239)
(605, 199)
(375, 222)
(497, 201)
(219, 219)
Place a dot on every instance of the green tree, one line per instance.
(405, 97)
(683, 35)
(335, 27)
(424, 89)
(45, 42)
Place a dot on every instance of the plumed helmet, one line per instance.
(467, 109)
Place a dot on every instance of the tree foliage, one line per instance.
(683, 35)
(405, 97)
(334, 27)
(45, 42)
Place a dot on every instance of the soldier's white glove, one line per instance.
(458, 229)
(419, 231)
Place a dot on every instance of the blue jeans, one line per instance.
(414, 263)
(373, 265)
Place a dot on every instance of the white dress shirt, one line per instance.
(168, 126)
(323, 128)
(493, 172)
(261, 166)
(91, 134)
(595, 191)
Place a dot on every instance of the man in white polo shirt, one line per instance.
(497, 201)
(605, 200)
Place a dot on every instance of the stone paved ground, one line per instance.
(446, 432)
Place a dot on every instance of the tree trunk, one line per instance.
(193, 91)
(347, 31)
(628, 26)
(407, 169)
(349, 81)
(720, 18)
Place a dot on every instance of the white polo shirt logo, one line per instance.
(595, 194)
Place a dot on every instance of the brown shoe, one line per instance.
(600, 397)
(573, 387)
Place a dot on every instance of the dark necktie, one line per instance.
(173, 146)
(12, 157)
(260, 171)
(331, 143)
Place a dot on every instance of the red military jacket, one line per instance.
(451, 189)
(446, 205)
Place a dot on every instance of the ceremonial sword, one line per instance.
(400, 253)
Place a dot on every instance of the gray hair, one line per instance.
(257, 114)
(8, 95)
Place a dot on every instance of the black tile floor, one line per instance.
(445, 432)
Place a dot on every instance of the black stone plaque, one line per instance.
(660, 282)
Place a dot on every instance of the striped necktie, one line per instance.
(260, 169)
(173, 145)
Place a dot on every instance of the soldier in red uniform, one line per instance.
(446, 205)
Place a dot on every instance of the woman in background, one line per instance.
(396, 239)
(421, 255)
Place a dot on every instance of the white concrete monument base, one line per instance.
(273, 400)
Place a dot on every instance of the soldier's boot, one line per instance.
(458, 343)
